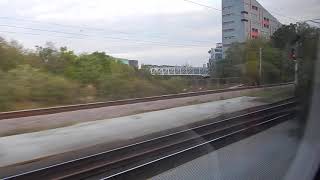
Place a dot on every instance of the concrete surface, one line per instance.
(26, 147)
(51, 121)
(264, 156)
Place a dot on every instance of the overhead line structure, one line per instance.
(113, 38)
(97, 29)
(37, 34)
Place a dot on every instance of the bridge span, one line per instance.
(178, 71)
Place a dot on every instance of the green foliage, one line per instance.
(30, 84)
(10, 55)
(305, 40)
(53, 76)
(251, 68)
(172, 85)
(89, 68)
(284, 36)
(307, 48)
(232, 65)
(112, 87)
(242, 60)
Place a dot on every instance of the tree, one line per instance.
(242, 60)
(31, 85)
(54, 76)
(10, 55)
(284, 36)
(88, 68)
(251, 70)
(305, 39)
(232, 65)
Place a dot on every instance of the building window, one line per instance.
(229, 37)
(244, 12)
(227, 7)
(228, 30)
(228, 22)
(266, 22)
(226, 15)
(254, 33)
(255, 8)
(244, 20)
(255, 30)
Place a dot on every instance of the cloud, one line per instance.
(75, 10)
(297, 9)
(169, 55)
(186, 34)
(152, 31)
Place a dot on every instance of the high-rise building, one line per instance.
(245, 19)
(215, 55)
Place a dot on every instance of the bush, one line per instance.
(173, 85)
(27, 84)
(114, 87)
(52, 76)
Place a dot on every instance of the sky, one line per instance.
(173, 32)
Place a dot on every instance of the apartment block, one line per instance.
(245, 19)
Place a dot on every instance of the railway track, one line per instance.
(59, 109)
(151, 157)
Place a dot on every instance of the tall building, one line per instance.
(245, 19)
(215, 55)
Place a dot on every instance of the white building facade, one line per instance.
(215, 55)
(245, 19)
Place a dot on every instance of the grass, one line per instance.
(273, 95)
(269, 95)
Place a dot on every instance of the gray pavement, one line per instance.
(265, 156)
(37, 145)
(51, 121)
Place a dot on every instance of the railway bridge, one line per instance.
(178, 71)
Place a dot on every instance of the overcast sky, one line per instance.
(171, 32)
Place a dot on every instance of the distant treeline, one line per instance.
(242, 59)
(51, 76)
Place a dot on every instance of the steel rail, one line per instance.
(274, 107)
(59, 109)
(191, 148)
(150, 152)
